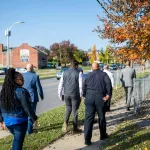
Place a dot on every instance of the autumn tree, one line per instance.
(126, 22)
(106, 56)
(102, 56)
(64, 51)
(92, 55)
(80, 56)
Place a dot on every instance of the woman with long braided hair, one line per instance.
(15, 107)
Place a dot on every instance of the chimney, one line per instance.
(1, 47)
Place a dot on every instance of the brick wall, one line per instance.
(16, 59)
(37, 58)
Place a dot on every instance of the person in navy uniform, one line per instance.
(97, 89)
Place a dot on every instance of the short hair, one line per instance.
(106, 67)
(74, 64)
(128, 63)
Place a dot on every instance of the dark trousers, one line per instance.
(30, 122)
(94, 103)
(107, 104)
(72, 105)
(19, 132)
(128, 92)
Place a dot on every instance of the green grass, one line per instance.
(50, 124)
(129, 136)
(86, 68)
(143, 74)
(1, 81)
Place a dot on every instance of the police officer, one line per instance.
(97, 89)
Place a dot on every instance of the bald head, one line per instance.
(29, 67)
(95, 66)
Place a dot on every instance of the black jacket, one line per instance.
(98, 82)
(22, 107)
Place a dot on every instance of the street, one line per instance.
(51, 100)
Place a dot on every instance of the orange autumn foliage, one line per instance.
(127, 22)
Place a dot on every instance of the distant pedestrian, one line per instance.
(33, 85)
(71, 85)
(126, 77)
(97, 89)
(111, 76)
(15, 107)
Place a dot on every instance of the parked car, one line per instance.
(113, 67)
(59, 74)
(2, 72)
(121, 66)
(5, 70)
(50, 65)
(21, 70)
(101, 66)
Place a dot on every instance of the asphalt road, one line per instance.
(51, 100)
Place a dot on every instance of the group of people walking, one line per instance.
(96, 89)
(19, 97)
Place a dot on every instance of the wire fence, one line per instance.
(141, 93)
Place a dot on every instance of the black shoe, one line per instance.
(95, 121)
(128, 109)
(77, 131)
(104, 137)
(87, 143)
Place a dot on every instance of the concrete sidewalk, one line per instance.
(3, 133)
(76, 142)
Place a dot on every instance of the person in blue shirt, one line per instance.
(33, 85)
(15, 107)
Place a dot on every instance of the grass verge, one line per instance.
(129, 136)
(143, 74)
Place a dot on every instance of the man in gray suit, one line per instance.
(126, 77)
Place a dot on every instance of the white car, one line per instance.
(59, 74)
(21, 70)
(2, 72)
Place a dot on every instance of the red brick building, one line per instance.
(23, 55)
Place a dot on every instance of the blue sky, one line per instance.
(49, 21)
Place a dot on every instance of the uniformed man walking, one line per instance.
(97, 89)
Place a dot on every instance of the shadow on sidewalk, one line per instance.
(49, 127)
(94, 146)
